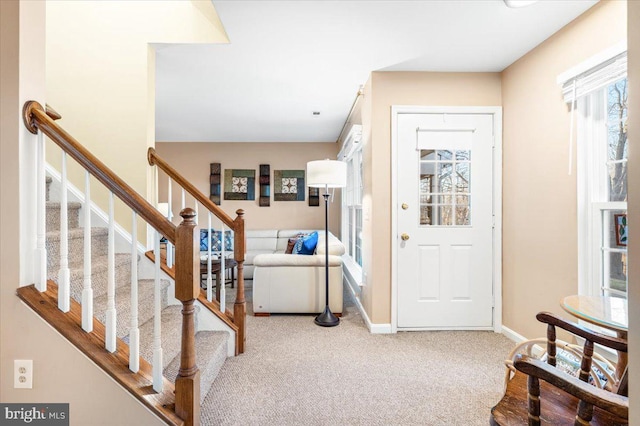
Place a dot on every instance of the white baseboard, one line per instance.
(373, 328)
(512, 335)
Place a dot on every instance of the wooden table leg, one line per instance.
(218, 287)
(622, 357)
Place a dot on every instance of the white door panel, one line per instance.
(445, 207)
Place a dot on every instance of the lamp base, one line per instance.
(327, 319)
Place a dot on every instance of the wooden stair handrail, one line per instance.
(155, 160)
(187, 388)
(35, 117)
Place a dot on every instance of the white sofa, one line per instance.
(291, 283)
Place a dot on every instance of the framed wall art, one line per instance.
(265, 186)
(239, 184)
(620, 221)
(214, 183)
(288, 185)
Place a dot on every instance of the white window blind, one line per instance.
(595, 73)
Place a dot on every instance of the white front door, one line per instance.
(445, 220)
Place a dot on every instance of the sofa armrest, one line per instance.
(279, 259)
(335, 245)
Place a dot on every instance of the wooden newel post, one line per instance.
(240, 306)
(187, 290)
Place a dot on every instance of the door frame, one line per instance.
(496, 111)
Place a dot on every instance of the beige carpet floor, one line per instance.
(296, 373)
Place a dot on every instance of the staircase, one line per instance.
(211, 346)
(157, 336)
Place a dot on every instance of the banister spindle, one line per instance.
(64, 292)
(209, 282)
(110, 326)
(187, 290)
(195, 209)
(222, 274)
(157, 320)
(169, 216)
(87, 291)
(41, 212)
(182, 199)
(134, 332)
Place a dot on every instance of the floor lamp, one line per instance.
(326, 174)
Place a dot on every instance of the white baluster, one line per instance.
(110, 326)
(182, 200)
(87, 291)
(223, 270)
(169, 216)
(63, 272)
(41, 220)
(134, 332)
(209, 283)
(157, 342)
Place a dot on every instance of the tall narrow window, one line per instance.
(352, 200)
(601, 97)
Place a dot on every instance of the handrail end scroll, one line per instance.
(27, 115)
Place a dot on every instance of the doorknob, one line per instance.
(404, 237)
(405, 206)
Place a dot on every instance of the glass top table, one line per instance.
(607, 312)
(603, 311)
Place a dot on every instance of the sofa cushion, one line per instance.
(307, 244)
(277, 260)
(262, 240)
(285, 235)
(290, 244)
(251, 254)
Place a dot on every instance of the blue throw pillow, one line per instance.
(307, 244)
(216, 243)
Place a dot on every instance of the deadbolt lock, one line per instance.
(405, 206)
(404, 237)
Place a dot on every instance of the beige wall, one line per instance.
(540, 263)
(402, 88)
(633, 45)
(192, 159)
(100, 78)
(61, 373)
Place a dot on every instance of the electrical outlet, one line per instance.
(23, 374)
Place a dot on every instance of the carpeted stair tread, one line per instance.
(99, 247)
(99, 271)
(211, 352)
(48, 181)
(53, 215)
(171, 330)
(123, 304)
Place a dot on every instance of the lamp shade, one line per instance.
(326, 174)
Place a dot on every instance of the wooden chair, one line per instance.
(559, 398)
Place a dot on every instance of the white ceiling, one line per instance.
(287, 59)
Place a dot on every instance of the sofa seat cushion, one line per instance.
(281, 259)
